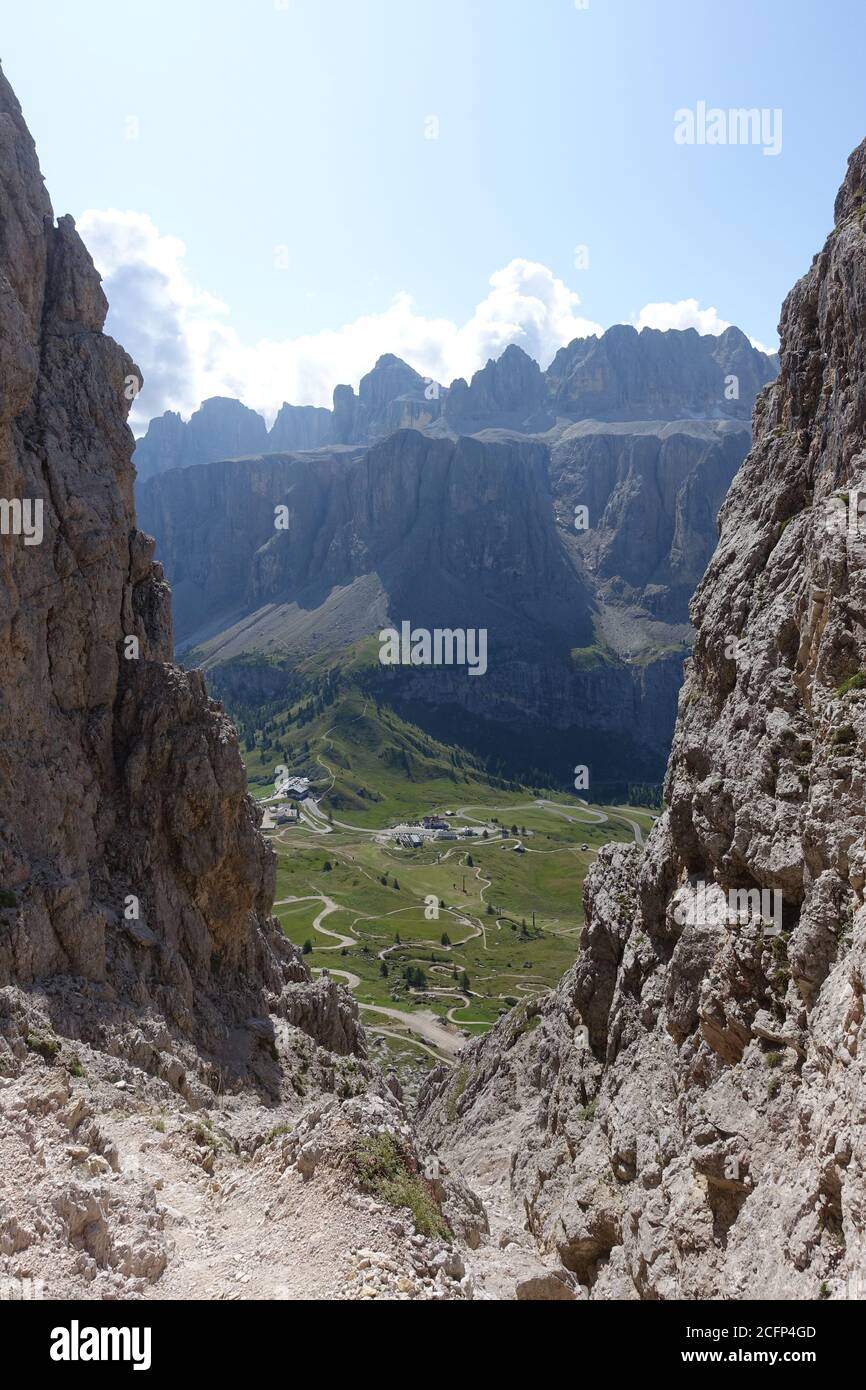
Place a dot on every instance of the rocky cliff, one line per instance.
(655, 375)
(652, 493)
(220, 428)
(684, 1116)
(135, 889)
(441, 532)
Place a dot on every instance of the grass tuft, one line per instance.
(382, 1166)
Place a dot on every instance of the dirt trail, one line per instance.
(427, 1025)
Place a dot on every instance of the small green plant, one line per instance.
(587, 1112)
(307, 947)
(382, 1166)
(844, 735)
(278, 1131)
(45, 1044)
(7, 899)
(774, 1086)
(855, 682)
(73, 1065)
(774, 1059)
(459, 1085)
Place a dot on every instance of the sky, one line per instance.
(278, 191)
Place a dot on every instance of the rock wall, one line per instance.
(442, 532)
(684, 1116)
(119, 779)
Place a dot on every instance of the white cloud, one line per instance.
(686, 313)
(183, 340)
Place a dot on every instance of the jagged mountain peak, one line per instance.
(623, 375)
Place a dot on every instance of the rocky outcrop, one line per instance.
(298, 427)
(655, 375)
(685, 1114)
(652, 493)
(135, 889)
(391, 397)
(220, 428)
(636, 489)
(510, 390)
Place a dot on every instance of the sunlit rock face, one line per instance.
(685, 1114)
(136, 888)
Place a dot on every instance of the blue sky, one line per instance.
(284, 219)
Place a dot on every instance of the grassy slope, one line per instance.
(377, 769)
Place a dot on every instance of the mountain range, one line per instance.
(569, 512)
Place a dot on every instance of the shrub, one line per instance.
(458, 1087)
(844, 735)
(45, 1044)
(382, 1166)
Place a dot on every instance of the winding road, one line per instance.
(329, 907)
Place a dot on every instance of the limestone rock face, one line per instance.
(300, 427)
(511, 388)
(686, 1117)
(393, 396)
(220, 428)
(655, 375)
(136, 888)
(444, 533)
(652, 494)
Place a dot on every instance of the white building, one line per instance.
(298, 787)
